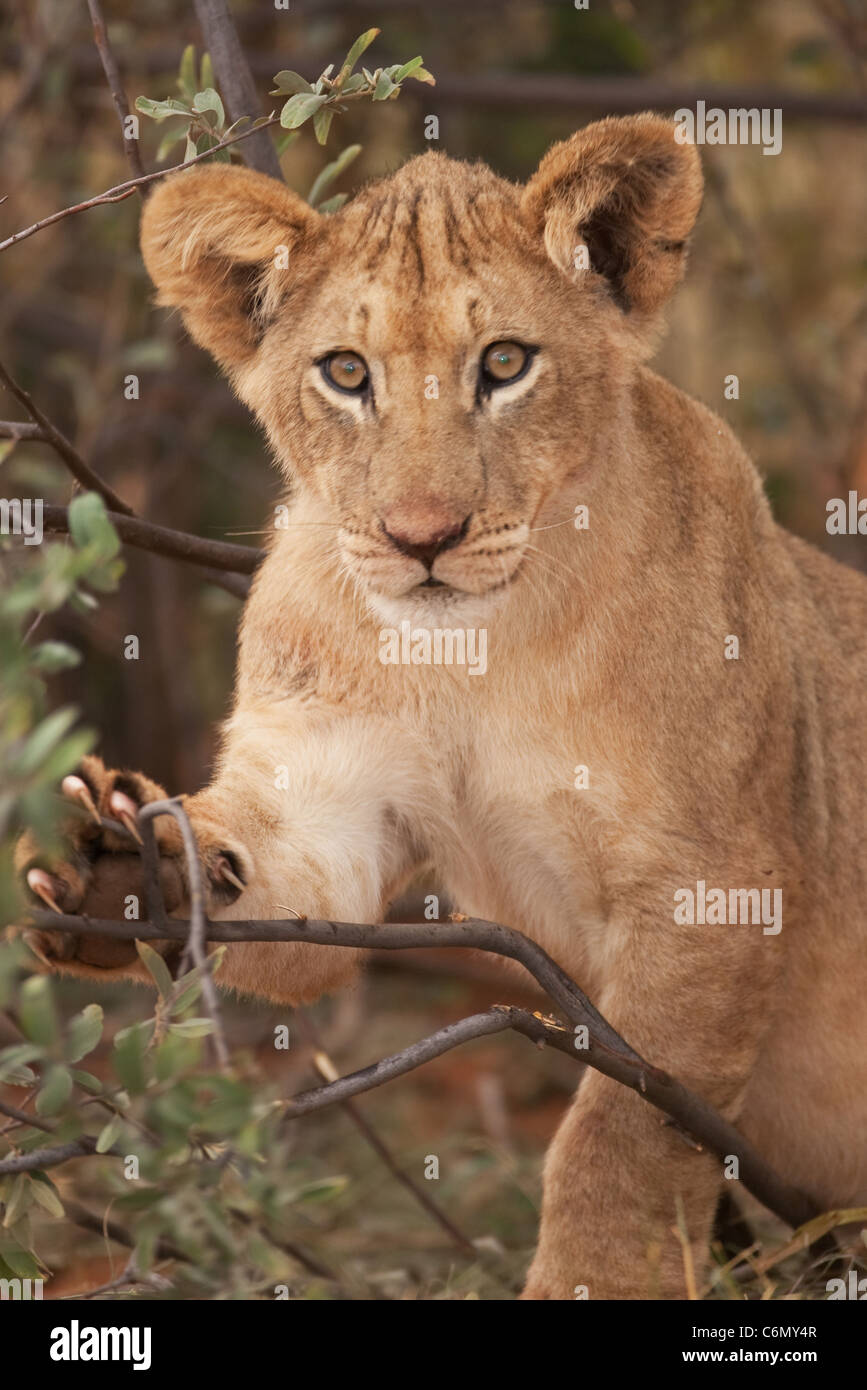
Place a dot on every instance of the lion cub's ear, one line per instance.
(626, 190)
(213, 241)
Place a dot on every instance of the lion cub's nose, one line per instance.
(423, 528)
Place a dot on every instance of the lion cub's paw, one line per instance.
(99, 874)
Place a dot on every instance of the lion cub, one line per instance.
(450, 371)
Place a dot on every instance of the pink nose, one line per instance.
(423, 528)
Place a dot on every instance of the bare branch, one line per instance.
(606, 1051)
(573, 96)
(194, 951)
(48, 1158)
(115, 86)
(70, 455)
(215, 555)
(222, 563)
(23, 1118)
(125, 190)
(496, 1020)
(236, 80)
(328, 1071)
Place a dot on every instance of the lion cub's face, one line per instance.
(432, 391)
(435, 363)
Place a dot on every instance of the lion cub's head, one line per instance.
(436, 362)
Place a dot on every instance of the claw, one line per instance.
(224, 871)
(77, 790)
(126, 811)
(34, 940)
(42, 884)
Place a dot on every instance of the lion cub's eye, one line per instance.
(345, 370)
(504, 362)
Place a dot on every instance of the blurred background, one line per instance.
(776, 293)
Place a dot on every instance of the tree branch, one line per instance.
(194, 951)
(125, 190)
(115, 86)
(606, 1051)
(222, 563)
(555, 92)
(235, 80)
(61, 445)
(213, 556)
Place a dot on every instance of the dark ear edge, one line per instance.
(210, 239)
(630, 192)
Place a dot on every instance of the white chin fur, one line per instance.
(437, 608)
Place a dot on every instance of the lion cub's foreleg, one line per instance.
(619, 1179)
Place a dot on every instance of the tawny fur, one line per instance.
(606, 647)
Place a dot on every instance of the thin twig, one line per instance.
(80, 470)
(115, 86)
(606, 1051)
(324, 1065)
(195, 950)
(125, 190)
(162, 540)
(23, 1118)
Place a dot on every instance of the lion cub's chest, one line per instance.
(520, 854)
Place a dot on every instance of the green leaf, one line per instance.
(353, 84)
(87, 1081)
(17, 1200)
(209, 100)
(187, 72)
(407, 70)
(321, 1189)
(19, 1260)
(206, 76)
(156, 967)
(332, 204)
(170, 139)
(109, 1134)
(422, 75)
(361, 45)
(288, 83)
(84, 1033)
(208, 142)
(55, 1091)
(13, 1068)
(36, 1011)
(331, 172)
(384, 88)
(322, 124)
(43, 741)
(160, 110)
(54, 656)
(298, 109)
(192, 1028)
(189, 986)
(45, 1193)
(284, 139)
(66, 756)
(129, 1056)
(90, 527)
